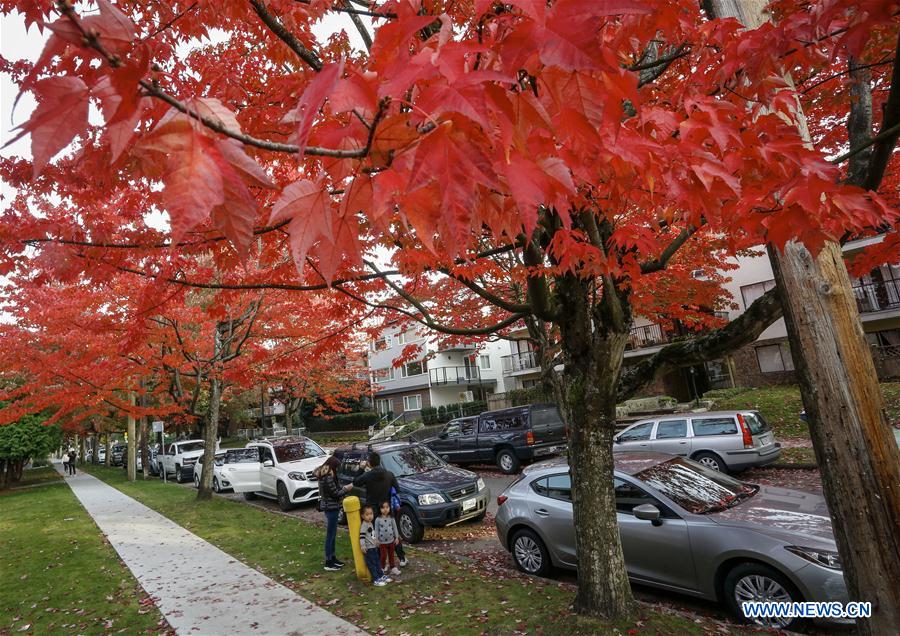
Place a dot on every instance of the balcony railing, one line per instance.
(654, 335)
(877, 296)
(517, 362)
(454, 375)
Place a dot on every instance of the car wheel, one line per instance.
(216, 487)
(411, 531)
(530, 553)
(178, 476)
(507, 461)
(478, 519)
(196, 481)
(342, 517)
(249, 496)
(284, 501)
(758, 582)
(711, 460)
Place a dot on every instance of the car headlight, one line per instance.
(480, 484)
(297, 476)
(430, 498)
(826, 558)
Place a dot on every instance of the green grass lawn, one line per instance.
(781, 405)
(437, 594)
(33, 476)
(60, 576)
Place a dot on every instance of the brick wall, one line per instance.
(746, 366)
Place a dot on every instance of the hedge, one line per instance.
(344, 422)
(441, 414)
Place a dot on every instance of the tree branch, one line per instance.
(884, 147)
(667, 254)
(286, 36)
(741, 331)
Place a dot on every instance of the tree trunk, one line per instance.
(145, 458)
(209, 438)
(132, 442)
(593, 356)
(108, 450)
(854, 446)
(81, 448)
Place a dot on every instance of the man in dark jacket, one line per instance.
(378, 483)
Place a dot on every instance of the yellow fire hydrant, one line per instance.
(351, 510)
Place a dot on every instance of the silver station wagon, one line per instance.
(687, 529)
(727, 441)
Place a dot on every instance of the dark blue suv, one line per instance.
(432, 492)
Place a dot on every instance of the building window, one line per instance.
(413, 368)
(382, 375)
(383, 405)
(381, 344)
(774, 358)
(484, 362)
(405, 337)
(751, 292)
(412, 402)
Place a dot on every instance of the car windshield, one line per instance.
(300, 450)
(411, 461)
(696, 488)
(242, 456)
(190, 446)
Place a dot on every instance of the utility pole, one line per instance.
(132, 441)
(854, 446)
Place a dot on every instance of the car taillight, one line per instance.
(748, 438)
(501, 499)
(529, 438)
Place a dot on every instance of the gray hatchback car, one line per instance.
(727, 441)
(685, 528)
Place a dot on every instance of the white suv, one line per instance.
(285, 471)
(180, 459)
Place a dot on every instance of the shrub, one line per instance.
(533, 395)
(345, 422)
(429, 415)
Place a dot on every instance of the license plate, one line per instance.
(468, 504)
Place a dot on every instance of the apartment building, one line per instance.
(437, 376)
(767, 361)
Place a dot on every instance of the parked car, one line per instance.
(506, 437)
(284, 471)
(218, 458)
(722, 440)
(432, 493)
(117, 454)
(180, 458)
(685, 528)
(151, 459)
(101, 454)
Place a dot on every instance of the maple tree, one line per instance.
(471, 166)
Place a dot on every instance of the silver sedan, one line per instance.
(685, 528)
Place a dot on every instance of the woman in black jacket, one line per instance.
(330, 495)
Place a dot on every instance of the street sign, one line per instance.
(158, 426)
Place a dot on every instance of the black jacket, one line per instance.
(377, 483)
(330, 491)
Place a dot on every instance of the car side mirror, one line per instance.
(647, 512)
(268, 463)
(616, 440)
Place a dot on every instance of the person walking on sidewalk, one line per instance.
(72, 456)
(330, 496)
(369, 546)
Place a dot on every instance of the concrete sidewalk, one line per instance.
(198, 588)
